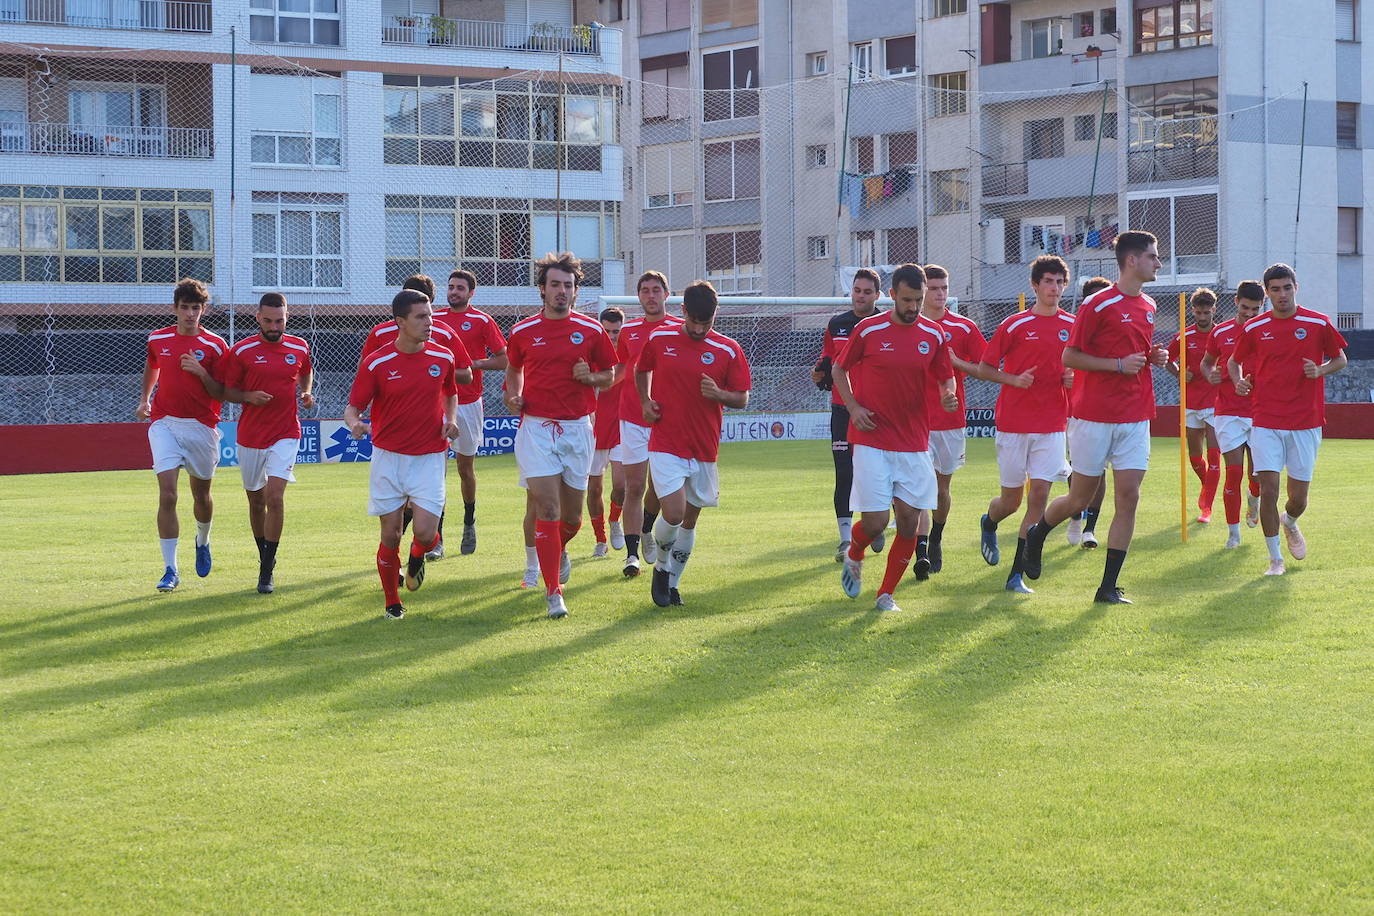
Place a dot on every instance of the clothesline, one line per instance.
(861, 190)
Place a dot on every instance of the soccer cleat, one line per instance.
(415, 572)
(878, 542)
(991, 555)
(1111, 596)
(202, 560)
(395, 611)
(659, 589)
(840, 551)
(600, 551)
(265, 584)
(885, 603)
(631, 567)
(649, 548)
(1205, 516)
(531, 578)
(1035, 546)
(920, 568)
(469, 542)
(851, 577)
(169, 581)
(937, 557)
(1089, 541)
(1297, 544)
(1075, 530)
(437, 553)
(557, 609)
(564, 569)
(1233, 541)
(1276, 568)
(1016, 584)
(617, 536)
(675, 598)
(1251, 511)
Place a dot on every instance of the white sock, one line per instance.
(1234, 529)
(665, 535)
(681, 553)
(202, 533)
(1289, 523)
(1273, 544)
(844, 526)
(169, 552)
(531, 558)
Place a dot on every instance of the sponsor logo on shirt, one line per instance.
(1265, 335)
(1064, 334)
(670, 351)
(924, 347)
(259, 360)
(1031, 335)
(165, 352)
(708, 358)
(538, 342)
(392, 375)
(433, 370)
(575, 337)
(885, 346)
(1300, 333)
(291, 359)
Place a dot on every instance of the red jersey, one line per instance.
(1221, 343)
(254, 364)
(890, 365)
(1272, 350)
(606, 422)
(1113, 325)
(547, 349)
(837, 331)
(689, 424)
(1029, 341)
(480, 337)
(179, 393)
(634, 334)
(407, 393)
(964, 340)
(384, 335)
(1201, 393)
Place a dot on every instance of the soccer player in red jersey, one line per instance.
(556, 360)
(1081, 530)
(685, 375)
(965, 344)
(606, 431)
(1287, 353)
(641, 504)
(882, 377)
(1232, 412)
(1202, 395)
(1112, 343)
(184, 430)
(1026, 357)
(412, 387)
(486, 347)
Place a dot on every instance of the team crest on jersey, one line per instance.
(1064, 334)
(291, 359)
(1150, 317)
(198, 354)
(708, 358)
(924, 347)
(434, 370)
(467, 325)
(948, 335)
(576, 337)
(1300, 333)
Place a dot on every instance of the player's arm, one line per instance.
(990, 373)
(305, 384)
(451, 414)
(1075, 358)
(353, 419)
(463, 375)
(822, 372)
(973, 370)
(650, 407)
(713, 392)
(515, 388)
(145, 397)
(600, 379)
(1334, 364)
(496, 361)
(861, 416)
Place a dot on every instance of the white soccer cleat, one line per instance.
(1233, 541)
(564, 569)
(885, 603)
(648, 548)
(557, 609)
(1088, 541)
(1075, 531)
(1276, 568)
(617, 536)
(1297, 544)
(600, 551)
(631, 567)
(531, 577)
(1251, 511)
(851, 577)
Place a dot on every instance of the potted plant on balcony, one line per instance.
(543, 36)
(442, 31)
(1092, 51)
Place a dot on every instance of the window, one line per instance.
(817, 248)
(675, 255)
(901, 149)
(951, 93)
(1109, 126)
(1083, 25)
(900, 55)
(1176, 24)
(668, 175)
(104, 235)
(818, 64)
(1043, 139)
(1044, 37)
(1084, 127)
(1347, 17)
(732, 170)
(940, 8)
(1347, 121)
(1186, 226)
(734, 261)
(118, 118)
(297, 240)
(817, 157)
(1347, 230)
(294, 22)
(296, 120)
(1173, 131)
(865, 249)
(949, 191)
(664, 15)
(861, 59)
(1107, 17)
(731, 81)
(863, 156)
(728, 14)
(902, 247)
(666, 92)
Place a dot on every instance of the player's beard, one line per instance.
(557, 306)
(272, 336)
(459, 306)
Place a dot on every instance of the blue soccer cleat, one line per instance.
(1015, 584)
(202, 560)
(169, 581)
(989, 543)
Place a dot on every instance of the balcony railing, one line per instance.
(1005, 179)
(147, 15)
(107, 140)
(483, 34)
(1180, 162)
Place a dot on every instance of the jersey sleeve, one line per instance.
(1173, 349)
(737, 376)
(515, 352)
(461, 358)
(307, 364)
(972, 345)
(496, 342)
(149, 354)
(1084, 323)
(363, 390)
(450, 388)
(370, 343)
(940, 366)
(603, 353)
(1333, 342)
(1244, 347)
(231, 370)
(852, 351)
(647, 357)
(995, 351)
(828, 346)
(1213, 346)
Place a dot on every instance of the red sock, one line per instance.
(388, 568)
(568, 531)
(858, 542)
(1254, 485)
(549, 549)
(1209, 484)
(599, 526)
(898, 558)
(1230, 494)
(1199, 466)
(418, 550)
(615, 511)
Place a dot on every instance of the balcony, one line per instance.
(107, 140)
(1004, 281)
(1178, 162)
(1058, 71)
(492, 35)
(143, 15)
(1062, 176)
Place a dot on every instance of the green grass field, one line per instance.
(771, 747)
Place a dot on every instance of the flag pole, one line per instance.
(1182, 414)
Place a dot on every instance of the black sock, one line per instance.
(469, 514)
(1016, 561)
(269, 552)
(632, 545)
(922, 544)
(441, 525)
(1113, 569)
(261, 542)
(405, 519)
(1040, 529)
(937, 531)
(648, 527)
(1090, 518)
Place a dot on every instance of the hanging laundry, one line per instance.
(873, 189)
(887, 186)
(1108, 235)
(1094, 239)
(901, 180)
(852, 192)
(1037, 237)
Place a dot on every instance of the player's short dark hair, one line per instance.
(272, 301)
(1279, 271)
(1132, 241)
(935, 272)
(563, 260)
(910, 274)
(420, 283)
(1249, 289)
(1202, 296)
(1094, 285)
(465, 275)
(612, 313)
(864, 273)
(699, 301)
(190, 290)
(1049, 264)
(655, 276)
(405, 301)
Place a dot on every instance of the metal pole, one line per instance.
(1302, 150)
(233, 173)
(1182, 414)
(844, 145)
(562, 151)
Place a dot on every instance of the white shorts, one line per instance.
(1232, 432)
(671, 473)
(634, 443)
(551, 448)
(600, 459)
(395, 478)
(1294, 449)
(182, 442)
(1093, 446)
(470, 434)
(258, 464)
(1037, 456)
(881, 476)
(947, 450)
(1198, 419)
